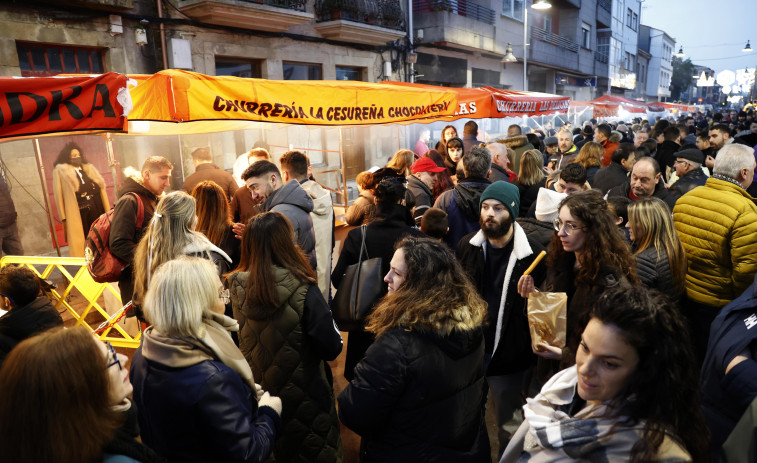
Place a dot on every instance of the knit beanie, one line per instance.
(504, 192)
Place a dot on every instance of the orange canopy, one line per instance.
(676, 106)
(182, 96)
(609, 106)
(34, 106)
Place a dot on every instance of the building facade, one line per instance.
(661, 47)
(617, 43)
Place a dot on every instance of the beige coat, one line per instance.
(65, 185)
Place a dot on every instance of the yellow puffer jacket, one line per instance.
(717, 224)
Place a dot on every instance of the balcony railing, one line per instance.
(601, 57)
(541, 34)
(297, 5)
(382, 13)
(465, 8)
(605, 4)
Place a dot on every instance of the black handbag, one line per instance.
(361, 286)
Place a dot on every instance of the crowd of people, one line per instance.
(650, 233)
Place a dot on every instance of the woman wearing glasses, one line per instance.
(197, 399)
(588, 254)
(65, 399)
(286, 334)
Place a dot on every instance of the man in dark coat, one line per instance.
(421, 185)
(265, 184)
(206, 170)
(28, 312)
(646, 180)
(470, 136)
(666, 151)
(616, 173)
(10, 242)
(688, 166)
(517, 142)
(461, 203)
(125, 232)
(500, 163)
(494, 258)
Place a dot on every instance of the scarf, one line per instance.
(213, 343)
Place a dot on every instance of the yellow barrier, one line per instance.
(86, 286)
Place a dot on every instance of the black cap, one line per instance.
(691, 154)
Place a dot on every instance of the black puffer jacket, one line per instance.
(654, 272)
(536, 230)
(418, 396)
(23, 322)
(609, 177)
(688, 182)
(286, 347)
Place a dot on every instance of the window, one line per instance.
(239, 67)
(629, 17)
(484, 77)
(643, 73)
(302, 71)
(548, 23)
(635, 22)
(348, 73)
(513, 9)
(585, 35)
(39, 60)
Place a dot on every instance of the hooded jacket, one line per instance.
(23, 322)
(461, 206)
(418, 394)
(294, 202)
(323, 227)
(286, 347)
(717, 224)
(610, 148)
(512, 341)
(519, 144)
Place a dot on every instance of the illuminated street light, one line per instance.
(680, 53)
(747, 48)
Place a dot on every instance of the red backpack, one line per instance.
(101, 263)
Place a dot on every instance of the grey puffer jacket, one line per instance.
(654, 272)
(295, 203)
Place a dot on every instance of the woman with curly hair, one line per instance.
(530, 179)
(632, 395)
(401, 162)
(660, 257)
(590, 157)
(588, 254)
(418, 393)
(214, 218)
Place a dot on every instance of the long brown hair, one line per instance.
(604, 246)
(268, 242)
(213, 212)
(436, 294)
(590, 155)
(55, 402)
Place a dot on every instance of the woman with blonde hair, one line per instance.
(286, 335)
(171, 233)
(660, 257)
(214, 218)
(590, 157)
(401, 162)
(197, 398)
(530, 179)
(418, 393)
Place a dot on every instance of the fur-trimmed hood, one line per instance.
(447, 321)
(68, 174)
(513, 142)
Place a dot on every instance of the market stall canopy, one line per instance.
(220, 103)
(490, 102)
(674, 107)
(36, 106)
(610, 106)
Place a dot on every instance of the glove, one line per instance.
(267, 400)
(258, 391)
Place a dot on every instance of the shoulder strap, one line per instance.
(140, 209)
(363, 249)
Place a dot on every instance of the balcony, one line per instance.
(604, 12)
(541, 34)
(360, 21)
(264, 15)
(459, 7)
(457, 24)
(106, 5)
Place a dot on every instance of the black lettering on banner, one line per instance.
(105, 107)
(276, 112)
(251, 106)
(17, 109)
(58, 100)
(217, 104)
(264, 108)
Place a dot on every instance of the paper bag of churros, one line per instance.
(547, 317)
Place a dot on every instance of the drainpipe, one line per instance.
(410, 36)
(162, 35)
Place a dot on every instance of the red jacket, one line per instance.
(609, 149)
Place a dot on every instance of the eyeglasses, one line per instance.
(569, 227)
(224, 295)
(116, 360)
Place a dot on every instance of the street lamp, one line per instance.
(509, 57)
(680, 53)
(747, 48)
(539, 5)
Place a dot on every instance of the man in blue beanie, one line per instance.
(495, 257)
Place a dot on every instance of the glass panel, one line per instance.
(38, 59)
(345, 73)
(297, 71)
(23, 58)
(53, 59)
(69, 62)
(83, 57)
(97, 62)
